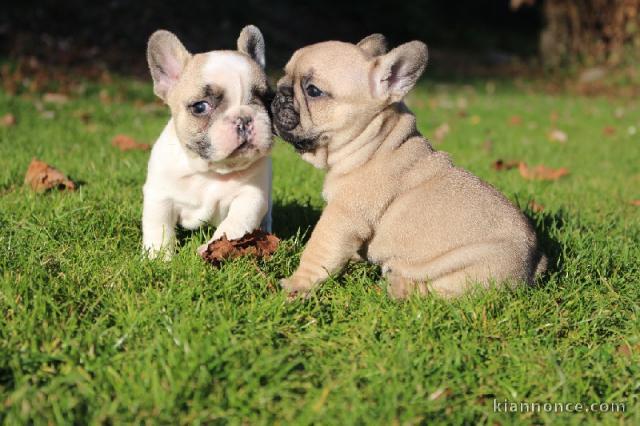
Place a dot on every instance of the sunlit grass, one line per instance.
(92, 333)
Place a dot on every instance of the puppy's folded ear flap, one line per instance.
(374, 45)
(251, 43)
(395, 73)
(167, 58)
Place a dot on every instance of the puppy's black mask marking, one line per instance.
(201, 146)
(284, 114)
(285, 119)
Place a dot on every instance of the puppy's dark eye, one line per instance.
(313, 91)
(200, 108)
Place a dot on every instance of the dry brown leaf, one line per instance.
(84, 116)
(557, 135)
(55, 98)
(257, 243)
(8, 120)
(500, 165)
(42, 177)
(554, 116)
(105, 97)
(541, 172)
(440, 393)
(517, 4)
(535, 207)
(627, 350)
(515, 120)
(127, 143)
(475, 120)
(609, 131)
(635, 203)
(441, 132)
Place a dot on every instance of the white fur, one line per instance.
(181, 189)
(229, 71)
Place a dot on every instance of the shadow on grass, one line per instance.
(293, 217)
(546, 224)
(288, 220)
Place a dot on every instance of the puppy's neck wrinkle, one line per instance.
(379, 134)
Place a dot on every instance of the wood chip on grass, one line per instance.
(258, 243)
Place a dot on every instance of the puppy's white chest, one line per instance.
(203, 199)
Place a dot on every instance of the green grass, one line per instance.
(92, 333)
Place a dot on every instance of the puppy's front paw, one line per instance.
(162, 254)
(297, 286)
(203, 248)
(233, 230)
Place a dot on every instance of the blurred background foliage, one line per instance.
(465, 36)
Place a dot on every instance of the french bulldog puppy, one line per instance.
(391, 198)
(211, 163)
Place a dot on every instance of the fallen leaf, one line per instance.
(84, 116)
(8, 120)
(490, 87)
(127, 143)
(535, 207)
(500, 165)
(554, 116)
(591, 75)
(635, 203)
(439, 393)
(627, 350)
(474, 120)
(42, 177)
(541, 172)
(557, 135)
(105, 97)
(487, 145)
(609, 131)
(257, 243)
(55, 98)
(515, 120)
(517, 4)
(441, 132)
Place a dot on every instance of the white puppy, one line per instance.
(211, 163)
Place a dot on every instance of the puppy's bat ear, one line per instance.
(374, 45)
(395, 73)
(251, 42)
(167, 58)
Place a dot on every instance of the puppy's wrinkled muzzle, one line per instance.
(285, 116)
(286, 119)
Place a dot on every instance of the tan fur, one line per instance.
(433, 227)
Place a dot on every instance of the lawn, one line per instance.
(92, 333)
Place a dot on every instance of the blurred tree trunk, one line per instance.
(590, 32)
